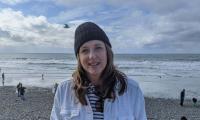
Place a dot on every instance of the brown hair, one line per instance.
(110, 76)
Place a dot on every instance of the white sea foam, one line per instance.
(158, 75)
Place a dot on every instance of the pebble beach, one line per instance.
(38, 103)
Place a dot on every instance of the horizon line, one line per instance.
(73, 53)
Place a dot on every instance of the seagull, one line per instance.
(66, 26)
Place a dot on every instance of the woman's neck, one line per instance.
(95, 80)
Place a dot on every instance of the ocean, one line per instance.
(159, 75)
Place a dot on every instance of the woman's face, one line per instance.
(93, 57)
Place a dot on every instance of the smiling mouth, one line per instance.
(94, 64)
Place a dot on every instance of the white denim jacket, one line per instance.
(129, 106)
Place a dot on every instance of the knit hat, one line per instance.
(86, 32)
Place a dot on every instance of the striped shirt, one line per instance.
(96, 103)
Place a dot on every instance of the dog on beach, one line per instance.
(183, 118)
(194, 101)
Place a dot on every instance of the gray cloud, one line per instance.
(4, 34)
(19, 30)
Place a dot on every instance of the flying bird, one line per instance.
(66, 26)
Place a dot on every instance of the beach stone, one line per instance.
(39, 101)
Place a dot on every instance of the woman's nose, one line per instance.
(92, 54)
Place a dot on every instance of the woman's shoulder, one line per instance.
(69, 81)
(66, 84)
(132, 83)
(133, 87)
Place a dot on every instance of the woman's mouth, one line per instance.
(94, 64)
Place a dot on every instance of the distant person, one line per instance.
(3, 78)
(183, 118)
(182, 97)
(97, 89)
(19, 86)
(55, 88)
(22, 92)
(42, 76)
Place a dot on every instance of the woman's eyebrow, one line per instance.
(83, 47)
(98, 44)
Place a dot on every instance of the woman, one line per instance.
(98, 90)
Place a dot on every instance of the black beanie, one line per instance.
(89, 31)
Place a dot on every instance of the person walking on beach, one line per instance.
(42, 76)
(97, 90)
(22, 92)
(3, 78)
(55, 88)
(19, 86)
(182, 97)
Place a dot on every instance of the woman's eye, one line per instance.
(84, 51)
(98, 48)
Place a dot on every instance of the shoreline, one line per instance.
(38, 105)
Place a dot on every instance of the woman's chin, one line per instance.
(94, 73)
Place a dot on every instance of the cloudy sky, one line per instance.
(133, 26)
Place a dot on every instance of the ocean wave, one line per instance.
(21, 58)
(44, 63)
